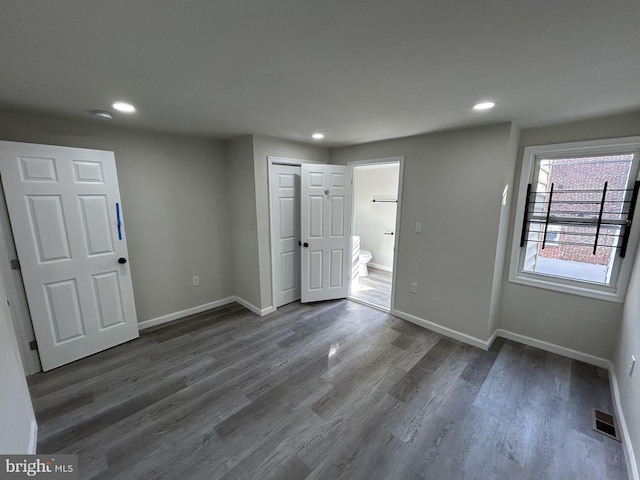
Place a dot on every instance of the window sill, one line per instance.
(537, 281)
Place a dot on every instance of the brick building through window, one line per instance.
(578, 189)
(574, 212)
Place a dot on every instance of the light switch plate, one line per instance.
(418, 228)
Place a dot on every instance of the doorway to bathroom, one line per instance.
(356, 263)
(375, 221)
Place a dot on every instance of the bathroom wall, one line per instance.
(373, 219)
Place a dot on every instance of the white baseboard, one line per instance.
(447, 332)
(553, 348)
(152, 322)
(632, 467)
(258, 311)
(33, 438)
(485, 344)
(380, 267)
(492, 339)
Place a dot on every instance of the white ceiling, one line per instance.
(357, 70)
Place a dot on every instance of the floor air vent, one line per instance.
(605, 424)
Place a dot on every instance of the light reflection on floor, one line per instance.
(375, 288)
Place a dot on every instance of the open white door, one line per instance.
(64, 206)
(325, 232)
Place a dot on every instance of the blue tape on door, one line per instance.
(118, 223)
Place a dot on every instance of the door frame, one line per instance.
(16, 296)
(273, 160)
(396, 239)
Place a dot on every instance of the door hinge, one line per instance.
(15, 264)
(33, 345)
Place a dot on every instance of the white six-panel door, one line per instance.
(325, 231)
(64, 206)
(285, 211)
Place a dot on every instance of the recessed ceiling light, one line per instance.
(318, 136)
(124, 107)
(484, 105)
(102, 114)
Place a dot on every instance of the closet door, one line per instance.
(285, 214)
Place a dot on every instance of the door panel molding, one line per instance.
(326, 232)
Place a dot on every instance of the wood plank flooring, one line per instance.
(375, 288)
(334, 390)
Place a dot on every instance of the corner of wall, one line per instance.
(17, 417)
(502, 243)
(445, 331)
(243, 231)
(263, 227)
(626, 388)
(627, 445)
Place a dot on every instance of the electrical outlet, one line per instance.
(632, 364)
(196, 281)
(418, 228)
(414, 287)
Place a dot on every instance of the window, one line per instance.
(573, 225)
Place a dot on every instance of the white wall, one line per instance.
(174, 193)
(453, 183)
(579, 323)
(628, 343)
(508, 196)
(371, 219)
(17, 420)
(243, 229)
(264, 147)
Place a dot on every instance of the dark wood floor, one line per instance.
(334, 390)
(375, 288)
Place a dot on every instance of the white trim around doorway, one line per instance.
(396, 241)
